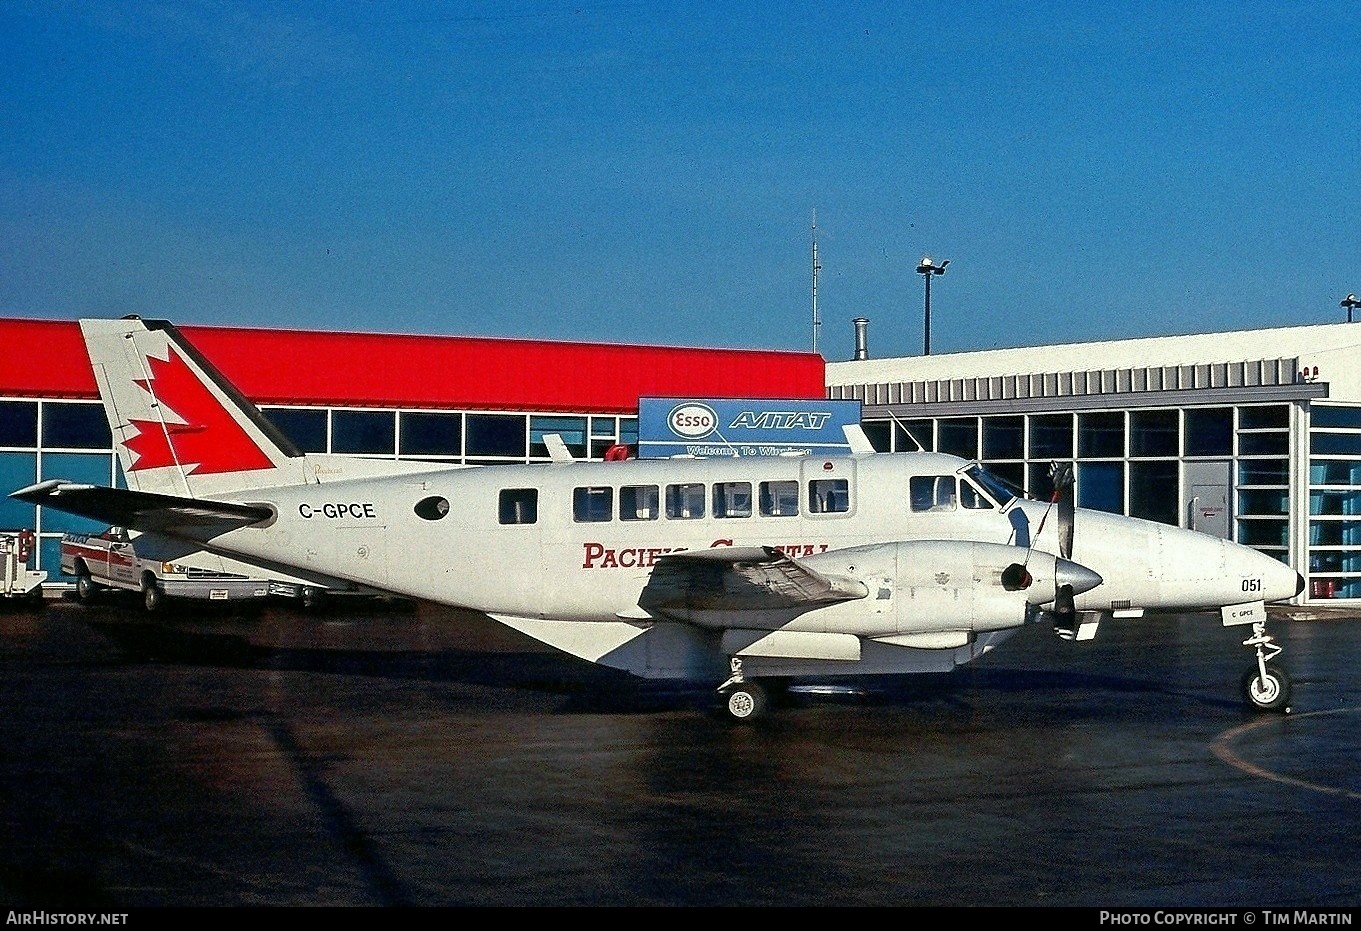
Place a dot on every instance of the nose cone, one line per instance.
(1082, 579)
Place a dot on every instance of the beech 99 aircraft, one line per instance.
(745, 572)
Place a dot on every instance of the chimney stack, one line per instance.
(862, 346)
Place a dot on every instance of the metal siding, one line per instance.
(47, 358)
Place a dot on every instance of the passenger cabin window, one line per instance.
(592, 505)
(685, 502)
(779, 499)
(732, 499)
(829, 496)
(519, 505)
(639, 502)
(932, 492)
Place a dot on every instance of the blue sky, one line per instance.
(647, 172)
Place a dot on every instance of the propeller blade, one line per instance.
(1062, 475)
(1065, 613)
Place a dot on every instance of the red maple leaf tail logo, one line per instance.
(208, 440)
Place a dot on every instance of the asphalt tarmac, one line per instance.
(412, 755)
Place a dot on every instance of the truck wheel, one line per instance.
(153, 596)
(85, 586)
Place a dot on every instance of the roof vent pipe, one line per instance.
(862, 345)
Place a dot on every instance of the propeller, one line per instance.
(1065, 612)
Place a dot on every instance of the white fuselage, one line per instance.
(578, 540)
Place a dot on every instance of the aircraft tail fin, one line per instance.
(180, 428)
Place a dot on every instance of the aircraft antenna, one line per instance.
(894, 417)
(817, 323)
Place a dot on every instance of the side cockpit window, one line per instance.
(932, 492)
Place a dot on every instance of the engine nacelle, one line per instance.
(930, 586)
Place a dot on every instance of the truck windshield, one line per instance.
(994, 486)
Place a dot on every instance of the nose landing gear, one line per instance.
(1265, 685)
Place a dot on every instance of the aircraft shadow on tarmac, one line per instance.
(222, 637)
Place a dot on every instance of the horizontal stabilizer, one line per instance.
(141, 510)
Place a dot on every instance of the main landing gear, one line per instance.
(1265, 685)
(744, 699)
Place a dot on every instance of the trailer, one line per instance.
(17, 581)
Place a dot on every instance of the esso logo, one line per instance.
(692, 420)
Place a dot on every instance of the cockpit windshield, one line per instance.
(994, 486)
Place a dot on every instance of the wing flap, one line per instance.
(741, 579)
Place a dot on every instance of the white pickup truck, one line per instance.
(115, 559)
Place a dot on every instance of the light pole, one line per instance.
(1351, 303)
(928, 269)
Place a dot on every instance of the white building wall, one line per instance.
(1335, 348)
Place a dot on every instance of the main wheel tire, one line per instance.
(153, 596)
(1271, 693)
(746, 701)
(85, 586)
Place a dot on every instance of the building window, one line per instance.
(1101, 435)
(571, 429)
(1003, 438)
(17, 470)
(1209, 431)
(430, 433)
(304, 427)
(364, 432)
(1153, 433)
(86, 468)
(879, 433)
(497, 435)
(1153, 491)
(19, 424)
(958, 436)
(1101, 486)
(913, 435)
(1051, 436)
(75, 426)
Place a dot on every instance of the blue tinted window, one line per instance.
(305, 427)
(427, 433)
(19, 423)
(17, 470)
(1051, 436)
(75, 426)
(1327, 416)
(1209, 431)
(571, 429)
(89, 468)
(364, 432)
(1101, 486)
(501, 435)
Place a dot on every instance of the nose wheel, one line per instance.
(1265, 685)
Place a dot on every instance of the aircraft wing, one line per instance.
(141, 510)
(740, 579)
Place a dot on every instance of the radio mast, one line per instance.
(816, 268)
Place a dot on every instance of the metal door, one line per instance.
(1205, 489)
